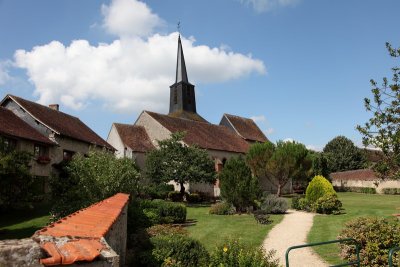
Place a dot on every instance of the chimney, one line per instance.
(54, 106)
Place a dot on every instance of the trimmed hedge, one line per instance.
(159, 211)
(365, 190)
(391, 191)
(328, 204)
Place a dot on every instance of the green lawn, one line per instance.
(328, 227)
(212, 230)
(21, 224)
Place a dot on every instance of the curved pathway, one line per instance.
(292, 231)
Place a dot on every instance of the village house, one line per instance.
(232, 137)
(49, 134)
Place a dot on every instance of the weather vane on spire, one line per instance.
(179, 27)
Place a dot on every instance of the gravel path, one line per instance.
(293, 231)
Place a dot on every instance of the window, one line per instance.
(8, 144)
(40, 151)
(67, 155)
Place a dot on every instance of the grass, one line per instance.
(212, 230)
(328, 227)
(22, 224)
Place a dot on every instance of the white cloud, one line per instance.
(269, 131)
(267, 5)
(129, 74)
(314, 147)
(259, 118)
(129, 18)
(4, 76)
(288, 140)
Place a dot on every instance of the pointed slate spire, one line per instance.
(182, 103)
(181, 74)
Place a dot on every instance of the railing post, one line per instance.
(325, 243)
(391, 253)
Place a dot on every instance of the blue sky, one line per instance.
(300, 68)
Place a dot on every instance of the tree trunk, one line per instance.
(278, 193)
(182, 189)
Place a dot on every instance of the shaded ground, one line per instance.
(23, 223)
(293, 231)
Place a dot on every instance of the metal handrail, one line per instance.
(391, 253)
(326, 243)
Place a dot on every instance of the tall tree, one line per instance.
(383, 129)
(343, 155)
(175, 161)
(278, 163)
(238, 186)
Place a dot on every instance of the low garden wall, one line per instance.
(94, 236)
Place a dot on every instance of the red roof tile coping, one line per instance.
(93, 221)
(75, 250)
(86, 227)
(363, 174)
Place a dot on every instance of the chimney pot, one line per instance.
(54, 106)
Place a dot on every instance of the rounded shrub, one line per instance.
(319, 187)
(328, 204)
(222, 208)
(274, 204)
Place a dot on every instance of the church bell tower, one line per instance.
(182, 101)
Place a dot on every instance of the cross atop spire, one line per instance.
(181, 74)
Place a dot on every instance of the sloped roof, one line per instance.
(86, 227)
(13, 126)
(61, 122)
(205, 135)
(134, 136)
(363, 174)
(246, 128)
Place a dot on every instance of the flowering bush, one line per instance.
(375, 235)
(234, 254)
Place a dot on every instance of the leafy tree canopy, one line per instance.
(343, 155)
(15, 178)
(383, 128)
(175, 161)
(85, 180)
(279, 163)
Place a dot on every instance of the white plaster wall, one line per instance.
(114, 139)
(154, 129)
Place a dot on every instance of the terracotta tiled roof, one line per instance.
(363, 174)
(61, 122)
(205, 135)
(183, 114)
(86, 227)
(13, 126)
(246, 128)
(134, 137)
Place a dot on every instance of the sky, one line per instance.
(299, 68)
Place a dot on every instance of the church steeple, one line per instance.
(182, 95)
(181, 74)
